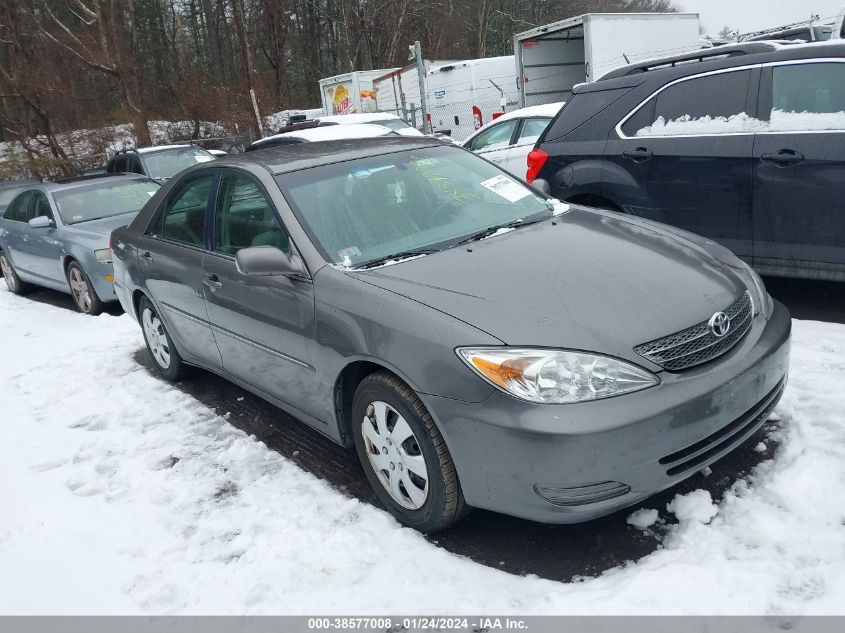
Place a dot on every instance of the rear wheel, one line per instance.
(13, 282)
(165, 355)
(82, 291)
(404, 455)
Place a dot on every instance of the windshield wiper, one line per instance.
(485, 233)
(396, 256)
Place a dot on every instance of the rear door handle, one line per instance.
(212, 282)
(638, 155)
(147, 258)
(783, 158)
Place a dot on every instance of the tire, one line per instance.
(82, 290)
(163, 352)
(14, 283)
(427, 504)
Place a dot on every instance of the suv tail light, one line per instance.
(536, 159)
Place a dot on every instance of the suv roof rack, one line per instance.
(304, 125)
(706, 54)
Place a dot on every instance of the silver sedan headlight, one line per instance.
(103, 255)
(762, 300)
(548, 376)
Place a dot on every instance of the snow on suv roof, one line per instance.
(156, 148)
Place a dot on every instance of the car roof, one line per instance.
(75, 183)
(716, 58)
(161, 148)
(332, 132)
(542, 110)
(280, 159)
(361, 117)
(17, 184)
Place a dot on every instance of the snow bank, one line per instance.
(122, 494)
(743, 123)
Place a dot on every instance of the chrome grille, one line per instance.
(697, 344)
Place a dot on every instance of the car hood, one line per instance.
(592, 281)
(101, 227)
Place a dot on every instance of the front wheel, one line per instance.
(404, 455)
(82, 290)
(165, 355)
(13, 282)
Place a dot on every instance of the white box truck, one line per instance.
(398, 91)
(350, 93)
(551, 59)
(463, 96)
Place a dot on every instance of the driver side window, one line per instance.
(183, 219)
(18, 209)
(245, 217)
(41, 206)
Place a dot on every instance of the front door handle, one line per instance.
(146, 258)
(638, 155)
(783, 158)
(212, 282)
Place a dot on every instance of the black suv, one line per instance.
(159, 163)
(744, 144)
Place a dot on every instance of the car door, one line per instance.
(686, 156)
(799, 189)
(170, 256)
(493, 142)
(41, 247)
(264, 326)
(516, 159)
(13, 222)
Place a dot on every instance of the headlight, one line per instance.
(103, 255)
(555, 376)
(762, 302)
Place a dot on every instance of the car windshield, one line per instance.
(167, 163)
(363, 210)
(103, 200)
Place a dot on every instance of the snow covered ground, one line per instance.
(122, 494)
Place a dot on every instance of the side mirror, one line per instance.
(267, 261)
(541, 185)
(41, 222)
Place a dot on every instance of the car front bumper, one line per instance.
(572, 463)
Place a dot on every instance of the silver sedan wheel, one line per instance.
(156, 338)
(395, 455)
(79, 289)
(8, 275)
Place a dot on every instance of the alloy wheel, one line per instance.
(79, 289)
(394, 453)
(8, 274)
(156, 338)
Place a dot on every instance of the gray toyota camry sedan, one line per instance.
(479, 344)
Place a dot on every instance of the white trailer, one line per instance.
(350, 93)
(463, 96)
(398, 92)
(551, 59)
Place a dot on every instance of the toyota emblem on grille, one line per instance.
(719, 324)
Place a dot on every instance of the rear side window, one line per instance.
(183, 219)
(808, 97)
(582, 107)
(533, 128)
(245, 217)
(18, 208)
(714, 104)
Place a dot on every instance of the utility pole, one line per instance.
(421, 76)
